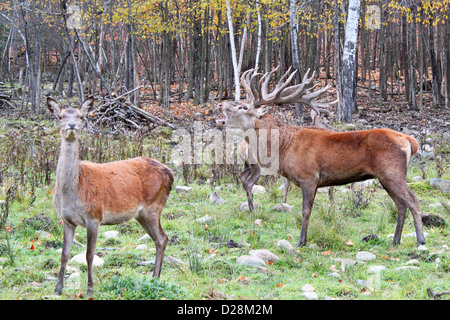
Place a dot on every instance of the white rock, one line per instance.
(144, 237)
(365, 256)
(310, 296)
(205, 219)
(141, 247)
(81, 259)
(250, 261)
(264, 254)
(375, 269)
(244, 206)
(407, 268)
(422, 248)
(111, 234)
(334, 275)
(258, 189)
(215, 198)
(413, 261)
(323, 190)
(286, 246)
(413, 235)
(283, 207)
(308, 288)
(175, 260)
(181, 189)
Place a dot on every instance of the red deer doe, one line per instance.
(89, 194)
(314, 157)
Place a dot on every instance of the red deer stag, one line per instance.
(314, 157)
(89, 194)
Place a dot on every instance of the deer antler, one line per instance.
(258, 91)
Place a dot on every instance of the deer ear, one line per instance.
(87, 105)
(53, 106)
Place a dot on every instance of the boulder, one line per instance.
(440, 184)
(264, 254)
(282, 207)
(250, 261)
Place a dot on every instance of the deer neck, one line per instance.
(67, 171)
(265, 127)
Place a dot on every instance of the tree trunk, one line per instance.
(349, 60)
(294, 50)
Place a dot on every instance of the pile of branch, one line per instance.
(120, 113)
(6, 97)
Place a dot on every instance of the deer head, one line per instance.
(242, 115)
(70, 119)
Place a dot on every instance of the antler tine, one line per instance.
(245, 81)
(282, 92)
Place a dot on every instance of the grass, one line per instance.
(29, 258)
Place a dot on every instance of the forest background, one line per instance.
(182, 52)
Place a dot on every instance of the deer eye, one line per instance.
(244, 107)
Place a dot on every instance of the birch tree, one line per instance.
(237, 65)
(349, 61)
(294, 48)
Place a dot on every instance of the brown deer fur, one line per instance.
(90, 194)
(313, 157)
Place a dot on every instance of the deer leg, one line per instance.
(92, 233)
(69, 232)
(308, 193)
(404, 198)
(150, 221)
(286, 189)
(249, 177)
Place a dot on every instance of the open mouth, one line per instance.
(221, 121)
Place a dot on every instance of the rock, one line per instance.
(310, 296)
(365, 256)
(264, 254)
(314, 246)
(308, 288)
(174, 260)
(334, 275)
(422, 248)
(81, 259)
(441, 184)
(182, 189)
(375, 269)
(250, 261)
(144, 237)
(362, 283)
(146, 263)
(346, 262)
(262, 269)
(215, 198)
(257, 189)
(111, 234)
(417, 178)
(141, 247)
(282, 207)
(205, 219)
(413, 235)
(407, 268)
(2, 203)
(244, 206)
(412, 262)
(323, 190)
(365, 183)
(285, 246)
